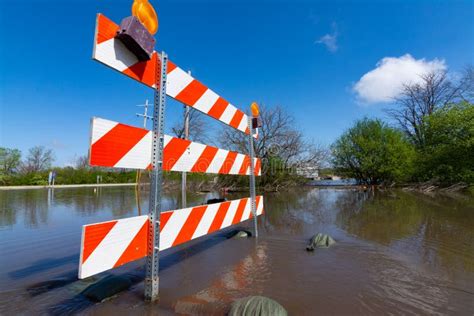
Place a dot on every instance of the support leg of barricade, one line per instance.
(152, 262)
(253, 202)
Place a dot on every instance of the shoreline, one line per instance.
(59, 186)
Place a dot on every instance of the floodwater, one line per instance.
(396, 253)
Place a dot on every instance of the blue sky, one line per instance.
(307, 56)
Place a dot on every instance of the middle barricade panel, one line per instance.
(123, 146)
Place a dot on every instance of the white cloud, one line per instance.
(386, 81)
(330, 40)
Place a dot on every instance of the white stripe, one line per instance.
(244, 123)
(255, 166)
(228, 114)
(229, 216)
(107, 253)
(260, 206)
(166, 140)
(114, 54)
(173, 227)
(217, 161)
(206, 220)
(176, 81)
(100, 127)
(189, 157)
(206, 101)
(139, 157)
(247, 210)
(237, 164)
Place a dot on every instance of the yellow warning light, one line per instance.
(144, 12)
(255, 109)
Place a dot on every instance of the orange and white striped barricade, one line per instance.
(110, 244)
(180, 85)
(114, 243)
(117, 145)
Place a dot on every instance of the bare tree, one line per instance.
(466, 86)
(419, 100)
(197, 130)
(278, 137)
(39, 158)
(82, 162)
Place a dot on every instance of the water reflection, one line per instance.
(397, 250)
(436, 230)
(241, 279)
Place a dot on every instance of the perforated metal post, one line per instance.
(152, 262)
(253, 203)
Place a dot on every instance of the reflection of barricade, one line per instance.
(216, 298)
(111, 244)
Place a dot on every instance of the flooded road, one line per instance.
(396, 253)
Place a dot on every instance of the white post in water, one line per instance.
(152, 262)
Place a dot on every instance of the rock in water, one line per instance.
(257, 306)
(106, 287)
(320, 241)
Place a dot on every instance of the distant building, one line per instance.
(308, 171)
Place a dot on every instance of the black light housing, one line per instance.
(136, 38)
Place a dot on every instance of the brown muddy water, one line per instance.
(396, 253)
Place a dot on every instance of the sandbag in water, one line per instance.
(107, 287)
(320, 241)
(257, 306)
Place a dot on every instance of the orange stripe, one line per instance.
(218, 108)
(235, 122)
(240, 211)
(205, 159)
(137, 248)
(164, 217)
(228, 162)
(247, 131)
(189, 227)
(171, 66)
(257, 167)
(93, 236)
(191, 93)
(245, 165)
(106, 29)
(114, 145)
(219, 218)
(173, 151)
(258, 198)
(143, 71)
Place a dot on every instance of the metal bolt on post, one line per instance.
(152, 263)
(253, 203)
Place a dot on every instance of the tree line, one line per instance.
(432, 138)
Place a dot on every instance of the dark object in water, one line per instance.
(257, 306)
(136, 38)
(213, 201)
(239, 234)
(320, 241)
(43, 287)
(106, 287)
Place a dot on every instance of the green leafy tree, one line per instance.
(9, 160)
(449, 152)
(373, 153)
